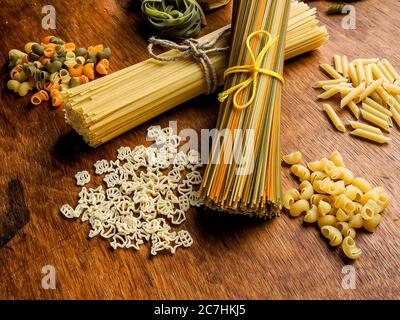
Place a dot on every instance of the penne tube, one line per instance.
(375, 120)
(396, 116)
(330, 71)
(345, 66)
(329, 94)
(337, 61)
(370, 136)
(355, 110)
(369, 61)
(370, 89)
(341, 86)
(360, 70)
(322, 83)
(386, 97)
(353, 74)
(333, 117)
(368, 74)
(391, 69)
(377, 106)
(376, 97)
(391, 88)
(375, 112)
(366, 127)
(378, 73)
(385, 71)
(353, 95)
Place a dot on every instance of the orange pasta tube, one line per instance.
(46, 39)
(49, 52)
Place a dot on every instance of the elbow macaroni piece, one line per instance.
(306, 190)
(311, 215)
(327, 220)
(371, 225)
(301, 172)
(333, 234)
(293, 158)
(299, 207)
(350, 249)
(290, 197)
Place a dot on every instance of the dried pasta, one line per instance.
(336, 201)
(370, 89)
(107, 107)
(143, 195)
(334, 117)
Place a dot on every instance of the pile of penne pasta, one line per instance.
(331, 196)
(370, 89)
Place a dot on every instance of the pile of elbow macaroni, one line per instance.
(370, 89)
(332, 197)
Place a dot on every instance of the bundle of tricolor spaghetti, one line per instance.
(106, 108)
(244, 173)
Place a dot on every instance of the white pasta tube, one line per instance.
(334, 117)
(385, 71)
(360, 70)
(330, 71)
(353, 95)
(355, 110)
(320, 84)
(391, 69)
(377, 113)
(345, 66)
(369, 61)
(370, 136)
(377, 106)
(383, 124)
(368, 74)
(395, 115)
(378, 73)
(371, 88)
(329, 94)
(353, 74)
(391, 88)
(363, 126)
(337, 61)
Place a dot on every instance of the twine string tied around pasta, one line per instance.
(254, 69)
(200, 51)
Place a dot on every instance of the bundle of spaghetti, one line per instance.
(244, 171)
(105, 108)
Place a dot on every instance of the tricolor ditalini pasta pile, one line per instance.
(244, 173)
(103, 109)
(370, 89)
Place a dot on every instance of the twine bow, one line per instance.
(254, 69)
(198, 50)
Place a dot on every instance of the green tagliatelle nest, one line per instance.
(174, 18)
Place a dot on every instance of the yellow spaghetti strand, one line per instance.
(254, 69)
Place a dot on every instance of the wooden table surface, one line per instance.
(232, 257)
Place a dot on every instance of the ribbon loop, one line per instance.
(253, 69)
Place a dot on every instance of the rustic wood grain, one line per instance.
(232, 257)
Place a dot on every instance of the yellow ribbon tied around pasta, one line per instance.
(254, 69)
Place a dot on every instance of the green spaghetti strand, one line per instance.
(174, 18)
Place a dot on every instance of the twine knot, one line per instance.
(200, 51)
